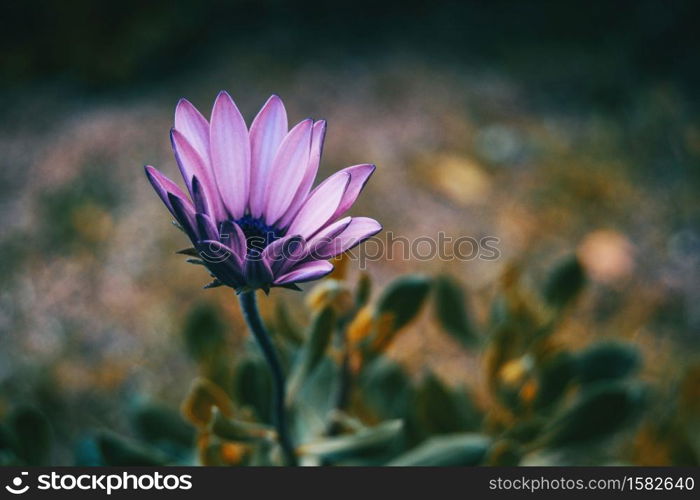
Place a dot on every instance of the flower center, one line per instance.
(258, 235)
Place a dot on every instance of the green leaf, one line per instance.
(315, 401)
(526, 430)
(366, 441)
(565, 282)
(363, 291)
(156, 423)
(499, 315)
(204, 332)
(448, 450)
(555, 375)
(7, 439)
(319, 338)
(452, 312)
(313, 349)
(607, 361)
(441, 410)
(403, 299)
(285, 325)
(600, 411)
(253, 386)
(238, 430)
(397, 307)
(32, 432)
(120, 451)
(387, 388)
(505, 453)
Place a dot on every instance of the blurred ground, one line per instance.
(551, 144)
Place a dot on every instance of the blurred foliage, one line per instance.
(76, 214)
(25, 438)
(541, 402)
(550, 125)
(102, 44)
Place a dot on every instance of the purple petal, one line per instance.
(162, 186)
(359, 175)
(198, 196)
(320, 205)
(307, 271)
(294, 254)
(205, 227)
(277, 252)
(257, 272)
(317, 137)
(190, 123)
(192, 165)
(230, 154)
(223, 263)
(287, 171)
(359, 229)
(233, 237)
(184, 215)
(328, 234)
(266, 135)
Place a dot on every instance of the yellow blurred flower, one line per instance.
(330, 292)
(361, 326)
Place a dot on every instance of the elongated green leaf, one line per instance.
(157, 423)
(565, 282)
(7, 440)
(387, 388)
(608, 360)
(442, 410)
(448, 450)
(32, 432)
(315, 400)
(252, 386)
(504, 453)
(238, 430)
(403, 299)
(526, 430)
(319, 338)
(451, 310)
(555, 375)
(600, 411)
(499, 315)
(313, 349)
(121, 451)
(204, 332)
(365, 441)
(285, 325)
(397, 307)
(363, 291)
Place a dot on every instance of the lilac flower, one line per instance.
(252, 215)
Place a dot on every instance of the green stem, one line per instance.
(252, 316)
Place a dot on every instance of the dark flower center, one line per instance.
(258, 235)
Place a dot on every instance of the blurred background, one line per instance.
(558, 127)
